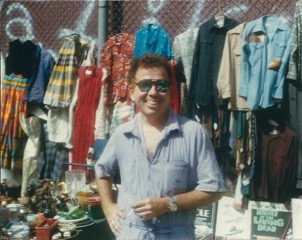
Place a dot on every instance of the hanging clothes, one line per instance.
(174, 97)
(38, 81)
(90, 81)
(206, 61)
(100, 115)
(19, 63)
(183, 53)
(21, 58)
(203, 104)
(153, 39)
(229, 72)
(294, 66)
(265, 55)
(12, 138)
(60, 89)
(294, 76)
(32, 127)
(51, 159)
(2, 66)
(88, 60)
(116, 55)
(182, 59)
(277, 174)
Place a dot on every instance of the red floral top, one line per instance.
(116, 55)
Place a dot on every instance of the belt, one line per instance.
(164, 230)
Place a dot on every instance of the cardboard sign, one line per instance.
(205, 221)
(296, 204)
(269, 220)
(230, 222)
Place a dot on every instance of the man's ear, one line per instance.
(131, 90)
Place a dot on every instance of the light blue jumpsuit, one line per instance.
(183, 160)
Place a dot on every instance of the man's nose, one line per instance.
(153, 90)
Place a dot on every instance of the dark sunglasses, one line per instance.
(146, 84)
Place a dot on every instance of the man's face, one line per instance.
(152, 103)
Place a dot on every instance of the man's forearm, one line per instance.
(105, 192)
(195, 199)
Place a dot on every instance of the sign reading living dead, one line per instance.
(269, 220)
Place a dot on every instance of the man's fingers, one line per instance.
(114, 226)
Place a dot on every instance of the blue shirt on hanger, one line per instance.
(153, 39)
(265, 55)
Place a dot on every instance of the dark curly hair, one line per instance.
(148, 60)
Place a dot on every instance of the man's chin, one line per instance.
(151, 111)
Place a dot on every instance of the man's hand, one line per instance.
(113, 215)
(150, 208)
(110, 208)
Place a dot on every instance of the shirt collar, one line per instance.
(154, 32)
(227, 22)
(238, 29)
(259, 24)
(134, 127)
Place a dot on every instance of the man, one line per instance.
(166, 161)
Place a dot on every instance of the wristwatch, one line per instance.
(173, 204)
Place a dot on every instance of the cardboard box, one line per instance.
(46, 229)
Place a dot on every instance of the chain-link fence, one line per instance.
(48, 22)
(177, 16)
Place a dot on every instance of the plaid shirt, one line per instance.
(294, 67)
(62, 81)
(51, 159)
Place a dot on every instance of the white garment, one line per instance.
(32, 127)
(2, 70)
(72, 106)
(57, 125)
(100, 116)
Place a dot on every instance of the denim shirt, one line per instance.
(265, 55)
(183, 160)
(206, 62)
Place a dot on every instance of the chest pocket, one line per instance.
(278, 46)
(175, 178)
(237, 56)
(205, 44)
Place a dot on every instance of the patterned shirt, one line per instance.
(294, 88)
(294, 67)
(116, 55)
(183, 51)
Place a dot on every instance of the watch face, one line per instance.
(173, 205)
